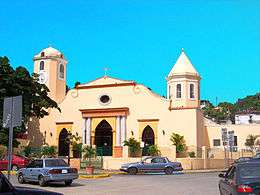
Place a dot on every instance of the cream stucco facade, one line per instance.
(108, 111)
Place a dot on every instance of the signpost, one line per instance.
(12, 117)
(225, 140)
(231, 141)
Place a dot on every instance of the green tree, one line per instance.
(178, 141)
(14, 82)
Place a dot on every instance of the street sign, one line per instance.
(12, 114)
(12, 117)
(231, 138)
(224, 136)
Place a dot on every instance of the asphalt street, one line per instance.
(190, 184)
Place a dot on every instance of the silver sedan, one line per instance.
(47, 170)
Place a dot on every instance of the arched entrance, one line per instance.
(63, 145)
(148, 139)
(104, 139)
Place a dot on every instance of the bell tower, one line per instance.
(183, 84)
(50, 64)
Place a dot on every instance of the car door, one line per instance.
(36, 169)
(228, 182)
(158, 164)
(28, 172)
(146, 165)
(5, 186)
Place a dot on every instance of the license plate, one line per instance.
(64, 171)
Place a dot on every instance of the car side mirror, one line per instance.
(221, 175)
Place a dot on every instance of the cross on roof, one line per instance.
(105, 71)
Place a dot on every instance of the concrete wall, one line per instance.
(213, 131)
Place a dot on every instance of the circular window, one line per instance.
(104, 99)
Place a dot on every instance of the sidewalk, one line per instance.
(116, 172)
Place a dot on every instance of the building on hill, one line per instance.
(247, 117)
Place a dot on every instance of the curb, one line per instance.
(11, 172)
(94, 176)
(118, 173)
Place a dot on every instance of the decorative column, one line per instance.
(88, 131)
(117, 149)
(84, 131)
(123, 130)
(118, 131)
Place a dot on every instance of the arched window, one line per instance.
(42, 65)
(178, 91)
(61, 71)
(42, 54)
(192, 91)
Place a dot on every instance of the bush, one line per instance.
(192, 154)
(153, 150)
(134, 147)
(77, 150)
(3, 151)
(48, 151)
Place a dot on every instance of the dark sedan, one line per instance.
(152, 164)
(241, 178)
(6, 188)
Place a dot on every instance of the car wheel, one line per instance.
(132, 171)
(68, 182)
(41, 181)
(20, 178)
(14, 168)
(168, 171)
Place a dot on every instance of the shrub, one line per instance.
(48, 151)
(77, 150)
(3, 150)
(153, 150)
(192, 154)
(179, 142)
(88, 153)
(134, 147)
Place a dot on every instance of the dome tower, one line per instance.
(183, 84)
(50, 64)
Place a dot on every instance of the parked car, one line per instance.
(257, 155)
(17, 162)
(242, 159)
(47, 170)
(6, 188)
(241, 178)
(152, 164)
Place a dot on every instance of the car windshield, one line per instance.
(55, 163)
(250, 172)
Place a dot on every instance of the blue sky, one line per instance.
(141, 40)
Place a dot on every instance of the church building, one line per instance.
(107, 111)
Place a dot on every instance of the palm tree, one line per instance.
(178, 141)
(134, 146)
(88, 153)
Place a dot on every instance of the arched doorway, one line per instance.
(104, 139)
(147, 139)
(63, 145)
